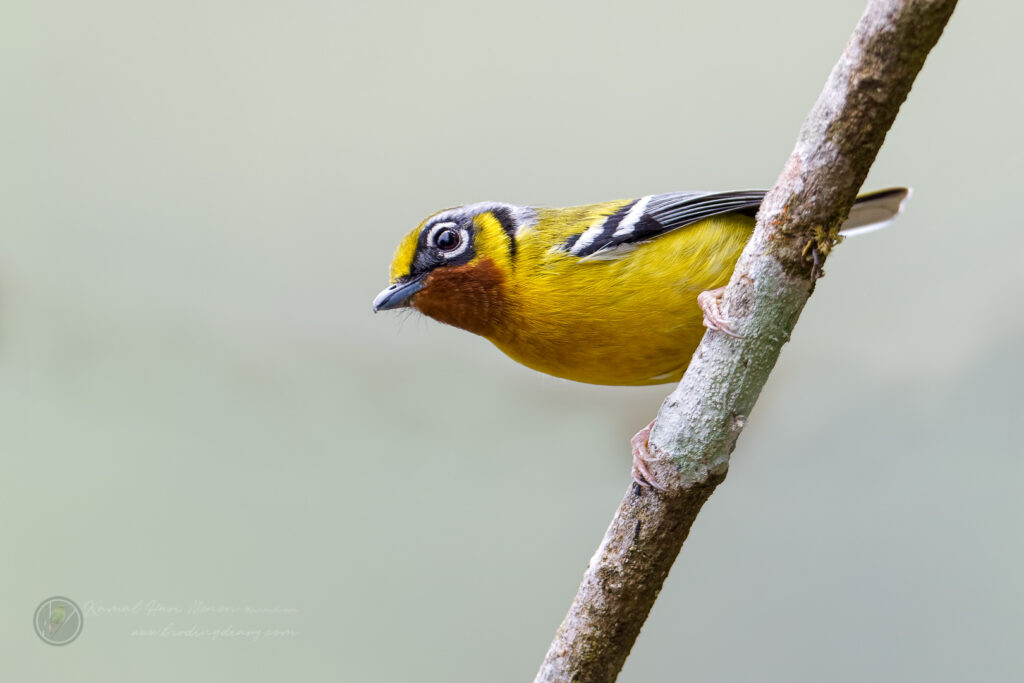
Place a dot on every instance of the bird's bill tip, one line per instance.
(397, 295)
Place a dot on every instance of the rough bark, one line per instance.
(698, 424)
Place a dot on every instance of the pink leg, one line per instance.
(710, 303)
(641, 454)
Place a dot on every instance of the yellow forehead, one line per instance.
(401, 264)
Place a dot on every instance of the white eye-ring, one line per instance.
(448, 239)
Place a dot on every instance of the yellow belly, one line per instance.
(631, 320)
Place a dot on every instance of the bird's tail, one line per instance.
(874, 211)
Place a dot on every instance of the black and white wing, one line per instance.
(648, 217)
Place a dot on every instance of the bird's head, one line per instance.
(455, 265)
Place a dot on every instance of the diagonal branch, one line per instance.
(698, 424)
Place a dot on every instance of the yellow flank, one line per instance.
(628, 320)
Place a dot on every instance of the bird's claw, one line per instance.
(641, 455)
(710, 303)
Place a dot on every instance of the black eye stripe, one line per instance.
(508, 224)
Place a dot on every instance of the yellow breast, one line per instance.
(632, 319)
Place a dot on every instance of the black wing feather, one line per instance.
(679, 209)
(665, 213)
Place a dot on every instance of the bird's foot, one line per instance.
(641, 455)
(710, 303)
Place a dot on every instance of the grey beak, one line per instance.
(397, 295)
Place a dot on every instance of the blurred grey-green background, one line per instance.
(203, 428)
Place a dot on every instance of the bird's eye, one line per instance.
(447, 239)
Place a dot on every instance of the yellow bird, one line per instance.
(610, 293)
